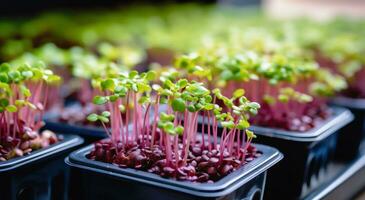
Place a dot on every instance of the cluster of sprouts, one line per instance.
(290, 90)
(167, 115)
(23, 97)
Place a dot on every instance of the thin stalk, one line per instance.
(155, 119)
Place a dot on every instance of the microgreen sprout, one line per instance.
(23, 96)
(174, 131)
(290, 89)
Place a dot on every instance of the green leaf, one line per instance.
(254, 105)
(142, 87)
(37, 74)
(151, 75)
(197, 90)
(4, 102)
(20, 103)
(108, 84)
(209, 106)
(99, 100)
(133, 74)
(144, 99)
(163, 100)
(5, 67)
(160, 124)
(253, 111)
(228, 124)
(243, 124)
(113, 98)
(120, 88)
(4, 78)
(11, 108)
(53, 79)
(169, 128)
(105, 114)
(250, 134)
(208, 99)
(243, 100)
(27, 74)
(191, 108)
(238, 93)
(169, 84)
(134, 87)
(198, 106)
(182, 83)
(226, 75)
(165, 117)
(103, 119)
(92, 117)
(179, 130)
(25, 91)
(14, 75)
(178, 104)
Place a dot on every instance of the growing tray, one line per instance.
(41, 175)
(307, 155)
(353, 137)
(345, 182)
(89, 133)
(99, 180)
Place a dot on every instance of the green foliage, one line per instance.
(19, 76)
(166, 124)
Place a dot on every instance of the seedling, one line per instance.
(167, 142)
(293, 92)
(23, 96)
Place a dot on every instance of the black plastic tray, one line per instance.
(307, 155)
(89, 133)
(98, 180)
(41, 175)
(345, 182)
(353, 137)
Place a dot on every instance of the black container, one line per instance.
(347, 181)
(89, 133)
(352, 140)
(41, 175)
(97, 180)
(307, 156)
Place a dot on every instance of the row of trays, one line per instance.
(315, 164)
